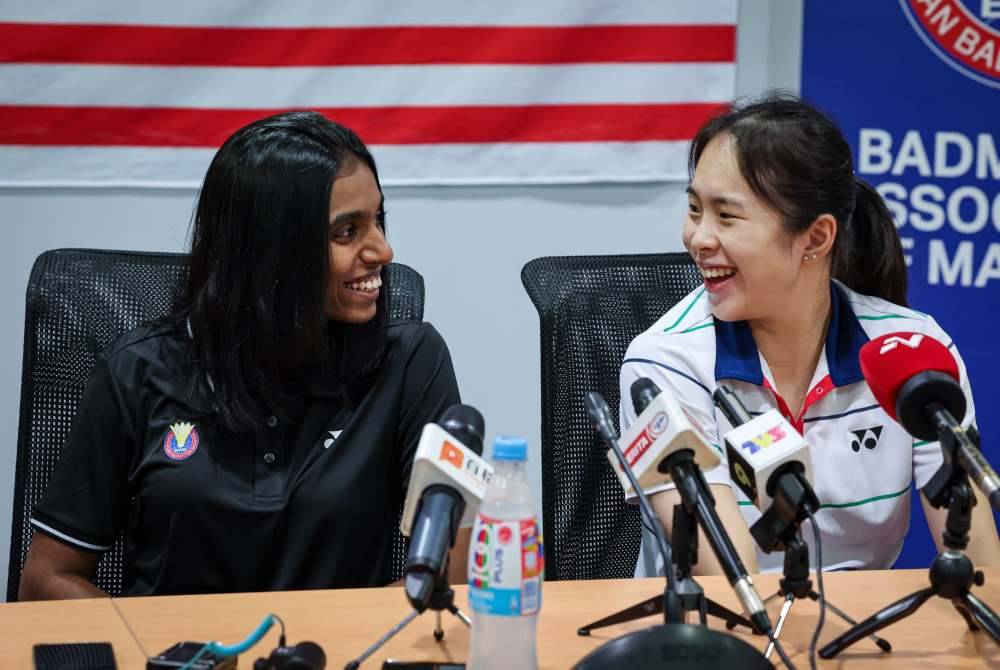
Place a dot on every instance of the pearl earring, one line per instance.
(809, 257)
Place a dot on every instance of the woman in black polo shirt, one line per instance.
(259, 437)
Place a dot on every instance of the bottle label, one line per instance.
(505, 567)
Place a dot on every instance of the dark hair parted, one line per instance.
(795, 159)
(260, 257)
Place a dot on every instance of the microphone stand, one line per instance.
(691, 596)
(952, 574)
(684, 646)
(778, 529)
(442, 599)
(682, 593)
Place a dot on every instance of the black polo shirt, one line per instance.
(311, 504)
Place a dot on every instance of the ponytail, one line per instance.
(868, 257)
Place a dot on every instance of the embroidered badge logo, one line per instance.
(961, 33)
(181, 440)
(334, 434)
(867, 437)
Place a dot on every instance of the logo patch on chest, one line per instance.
(181, 440)
(334, 434)
(866, 437)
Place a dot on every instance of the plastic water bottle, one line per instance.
(505, 566)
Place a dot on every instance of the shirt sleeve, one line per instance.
(429, 388)
(927, 456)
(87, 497)
(672, 376)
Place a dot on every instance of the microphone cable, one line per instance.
(822, 593)
(770, 633)
(240, 647)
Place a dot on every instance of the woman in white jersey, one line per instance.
(802, 266)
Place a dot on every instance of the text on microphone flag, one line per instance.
(893, 341)
(739, 474)
(764, 440)
(451, 454)
(464, 462)
(644, 440)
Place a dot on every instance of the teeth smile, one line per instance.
(369, 285)
(714, 273)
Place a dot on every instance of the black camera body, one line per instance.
(181, 654)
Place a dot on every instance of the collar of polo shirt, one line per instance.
(737, 357)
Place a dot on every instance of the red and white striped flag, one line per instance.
(125, 93)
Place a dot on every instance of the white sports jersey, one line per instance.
(863, 462)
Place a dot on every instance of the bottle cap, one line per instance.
(510, 448)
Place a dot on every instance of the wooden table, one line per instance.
(23, 625)
(346, 622)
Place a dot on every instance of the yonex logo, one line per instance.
(866, 437)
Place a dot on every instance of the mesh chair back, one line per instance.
(590, 308)
(78, 302)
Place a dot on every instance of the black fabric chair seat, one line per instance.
(590, 308)
(78, 302)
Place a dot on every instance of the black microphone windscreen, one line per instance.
(917, 394)
(599, 414)
(643, 391)
(730, 406)
(466, 424)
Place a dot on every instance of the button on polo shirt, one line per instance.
(863, 462)
(285, 507)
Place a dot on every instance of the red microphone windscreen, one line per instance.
(888, 361)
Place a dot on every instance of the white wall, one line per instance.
(469, 243)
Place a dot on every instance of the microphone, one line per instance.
(769, 461)
(447, 483)
(600, 415)
(916, 381)
(661, 428)
(677, 460)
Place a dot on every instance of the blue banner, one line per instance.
(915, 86)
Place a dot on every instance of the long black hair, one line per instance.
(795, 159)
(254, 300)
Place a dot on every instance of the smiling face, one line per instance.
(749, 262)
(358, 248)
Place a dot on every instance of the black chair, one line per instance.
(78, 302)
(590, 308)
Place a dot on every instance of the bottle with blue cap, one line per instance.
(505, 566)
